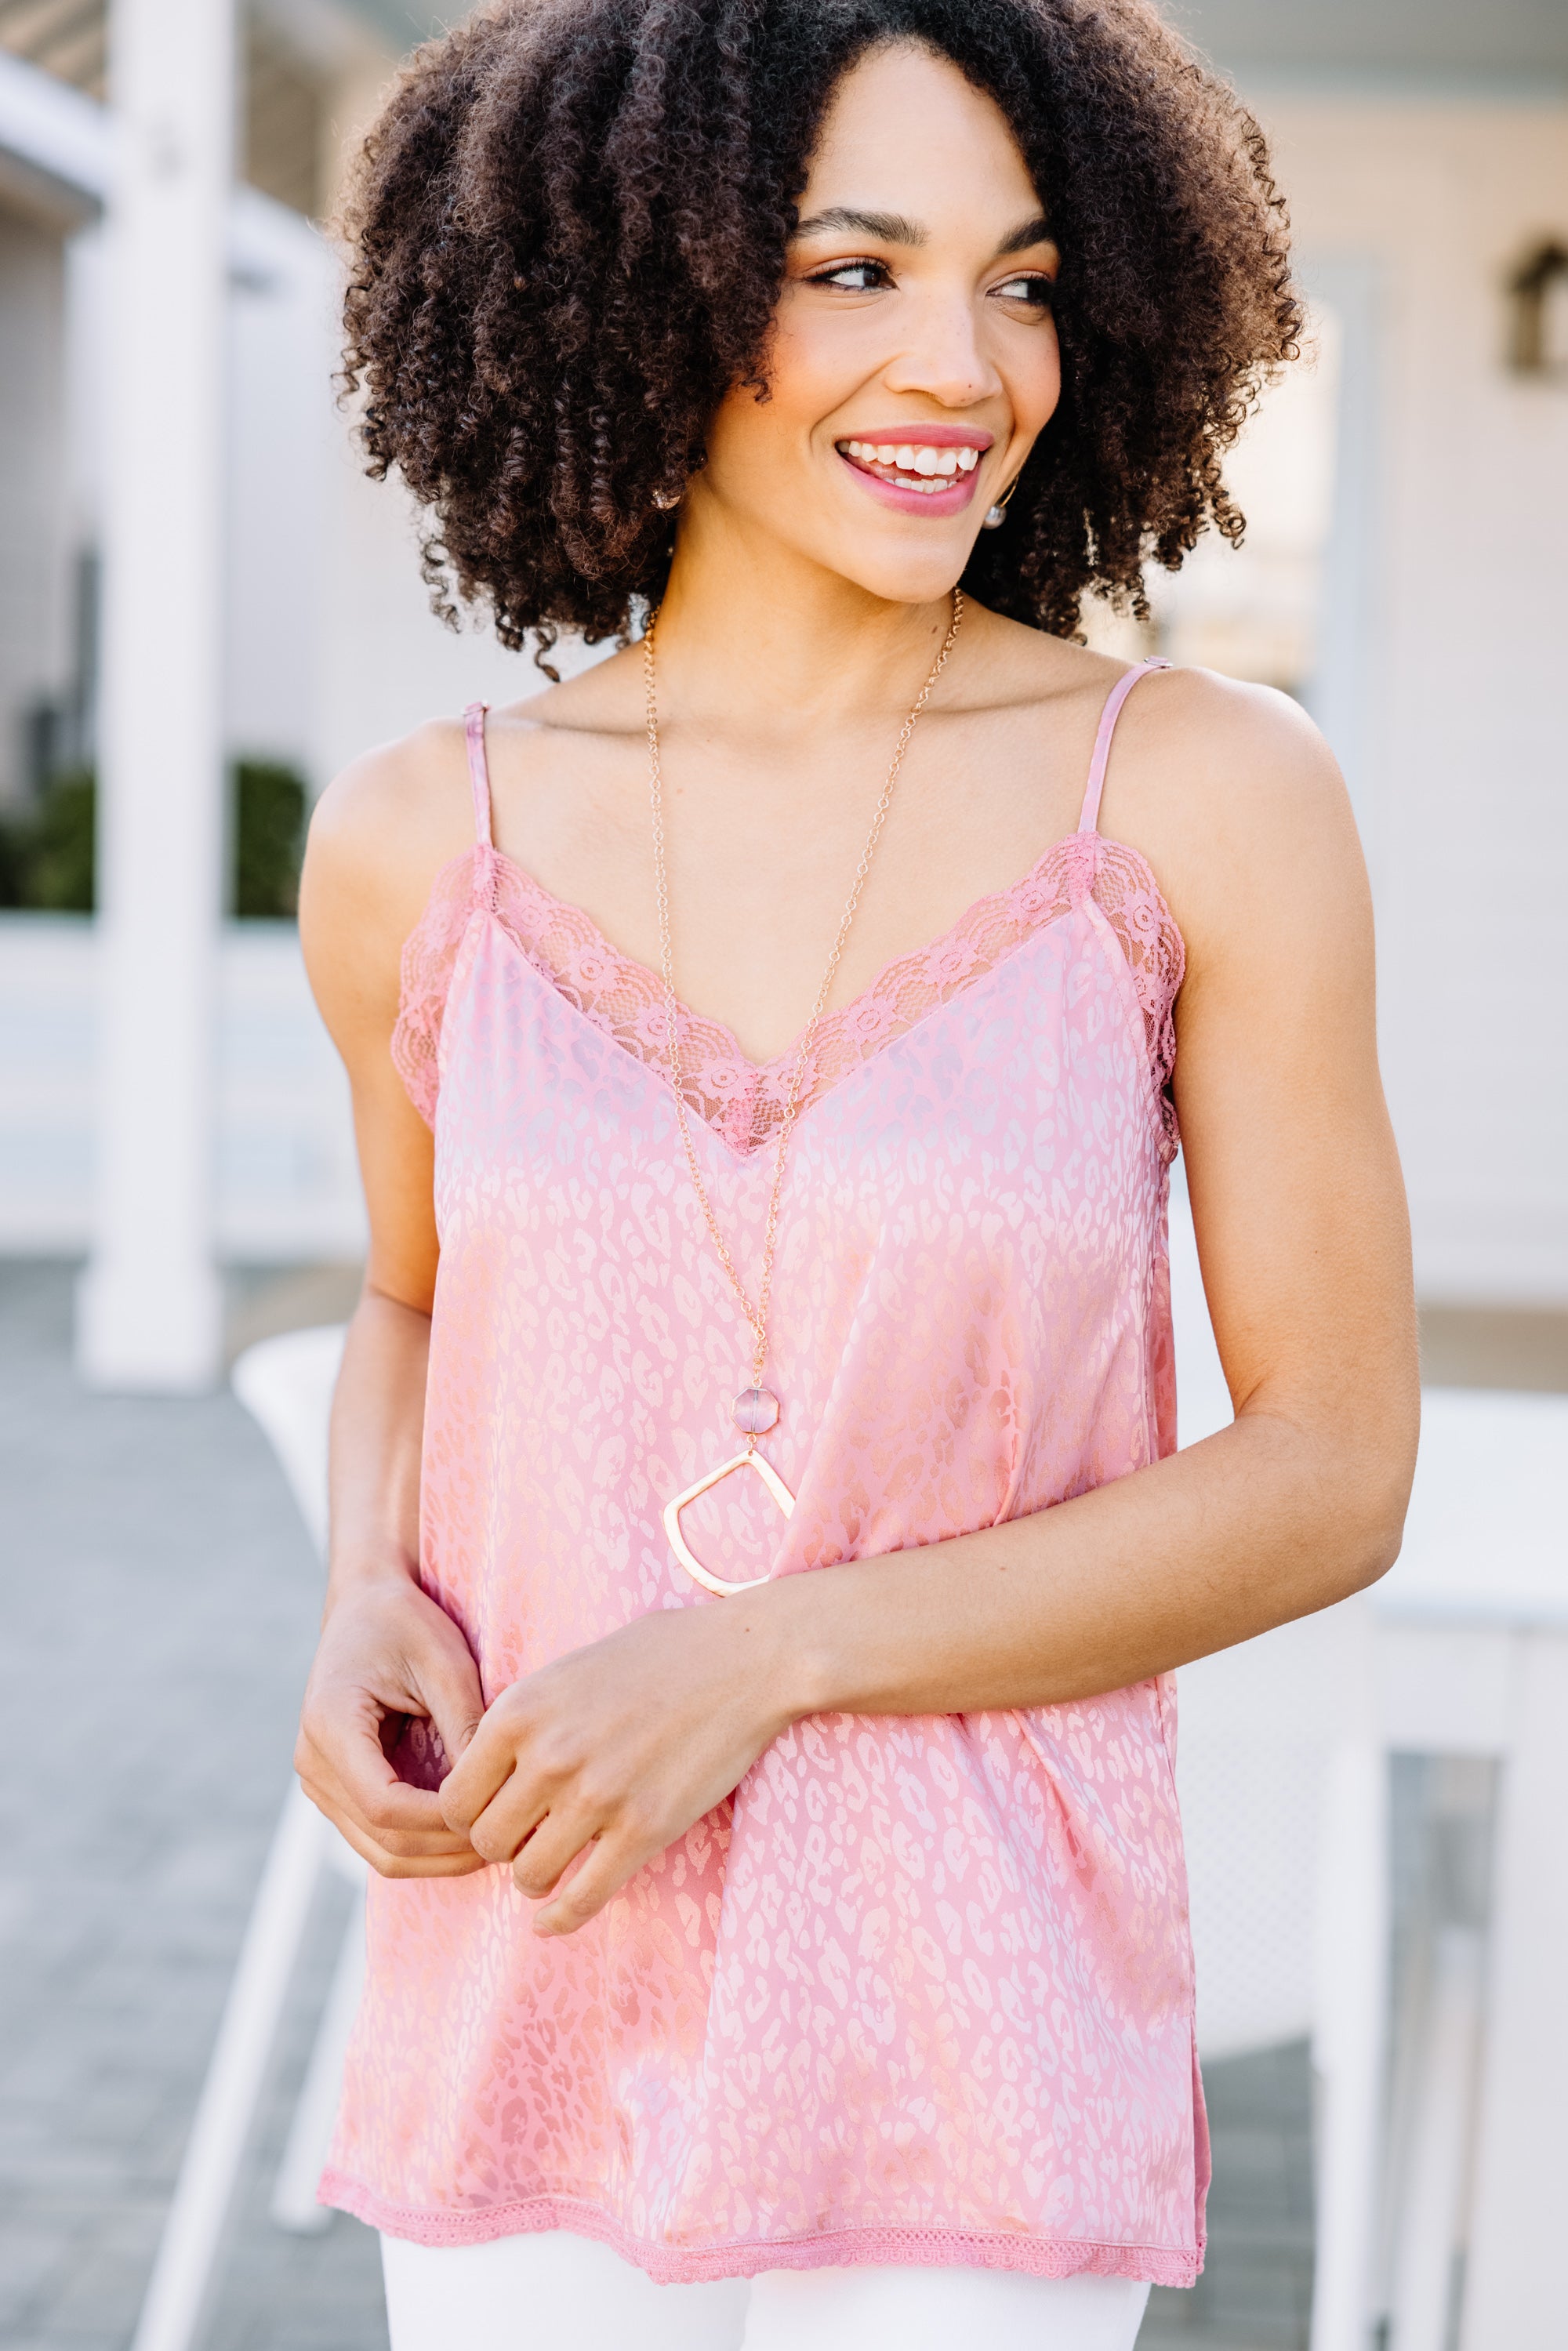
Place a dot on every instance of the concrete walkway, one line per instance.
(157, 1610)
(159, 1601)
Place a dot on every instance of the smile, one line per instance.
(913, 465)
(932, 471)
(922, 469)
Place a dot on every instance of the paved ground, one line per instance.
(158, 1602)
(1254, 2294)
(157, 1599)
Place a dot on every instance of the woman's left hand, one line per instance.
(613, 1751)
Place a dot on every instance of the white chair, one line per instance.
(1284, 1807)
(287, 1384)
(1473, 1667)
(1436, 2221)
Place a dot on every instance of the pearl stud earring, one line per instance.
(996, 516)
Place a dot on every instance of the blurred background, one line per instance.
(206, 609)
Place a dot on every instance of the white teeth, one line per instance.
(919, 467)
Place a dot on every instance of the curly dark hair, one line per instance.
(568, 232)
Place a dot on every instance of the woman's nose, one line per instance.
(943, 355)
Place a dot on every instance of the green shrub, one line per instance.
(268, 840)
(13, 863)
(48, 850)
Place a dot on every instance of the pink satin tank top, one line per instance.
(921, 1991)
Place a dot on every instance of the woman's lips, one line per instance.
(952, 498)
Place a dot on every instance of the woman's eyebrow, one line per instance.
(1028, 233)
(897, 228)
(889, 228)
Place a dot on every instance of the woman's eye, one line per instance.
(856, 276)
(1033, 287)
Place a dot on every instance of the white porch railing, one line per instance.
(288, 1186)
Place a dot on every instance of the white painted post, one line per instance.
(1430, 2224)
(1351, 1970)
(179, 2292)
(150, 1307)
(294, 2204)
(1513, 2298)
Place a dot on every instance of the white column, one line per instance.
(1513, 2295)
(149, 1310)
(1352, 1993)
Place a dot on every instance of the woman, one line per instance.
(780, 1930)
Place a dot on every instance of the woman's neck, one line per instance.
(807, 643)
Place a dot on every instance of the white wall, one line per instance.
(386, 662)
(282, 433)
(1461, 777)
(1407, 506)
(332, 645)
(282, 427)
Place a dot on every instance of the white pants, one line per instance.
(555, 2292)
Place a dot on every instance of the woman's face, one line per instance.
(916, 357)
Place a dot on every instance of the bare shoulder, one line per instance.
(1231, 795)
(380, 834)
(384, 827)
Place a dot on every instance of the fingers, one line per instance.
(488, 1761)
(388, 1655)
(605, 1868)
(415, 1830)
(581, 1855)
(398, 1853)
(461, 1864)
(449, 1684)
(385, 1804)
(347, 1776)
(512, 1818)
(554, 1845)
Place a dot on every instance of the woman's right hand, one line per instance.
(379, 836)
(387, 1653)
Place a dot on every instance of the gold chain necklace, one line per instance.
(756, 1409)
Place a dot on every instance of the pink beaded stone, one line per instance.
(754, 1411)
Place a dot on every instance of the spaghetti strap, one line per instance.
(1089, 820)
(478, 771)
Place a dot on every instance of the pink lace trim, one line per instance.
(740, 1100)
(914, 2248)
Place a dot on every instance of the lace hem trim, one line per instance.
(913, 2248)
(744, 1102)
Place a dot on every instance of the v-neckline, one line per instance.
(623, 999)
(778, 1067)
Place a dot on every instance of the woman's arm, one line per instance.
(1302, 1236)
(387, 1652)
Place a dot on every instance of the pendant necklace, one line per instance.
(755, 1408)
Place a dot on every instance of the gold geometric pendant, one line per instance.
(678, 1544)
